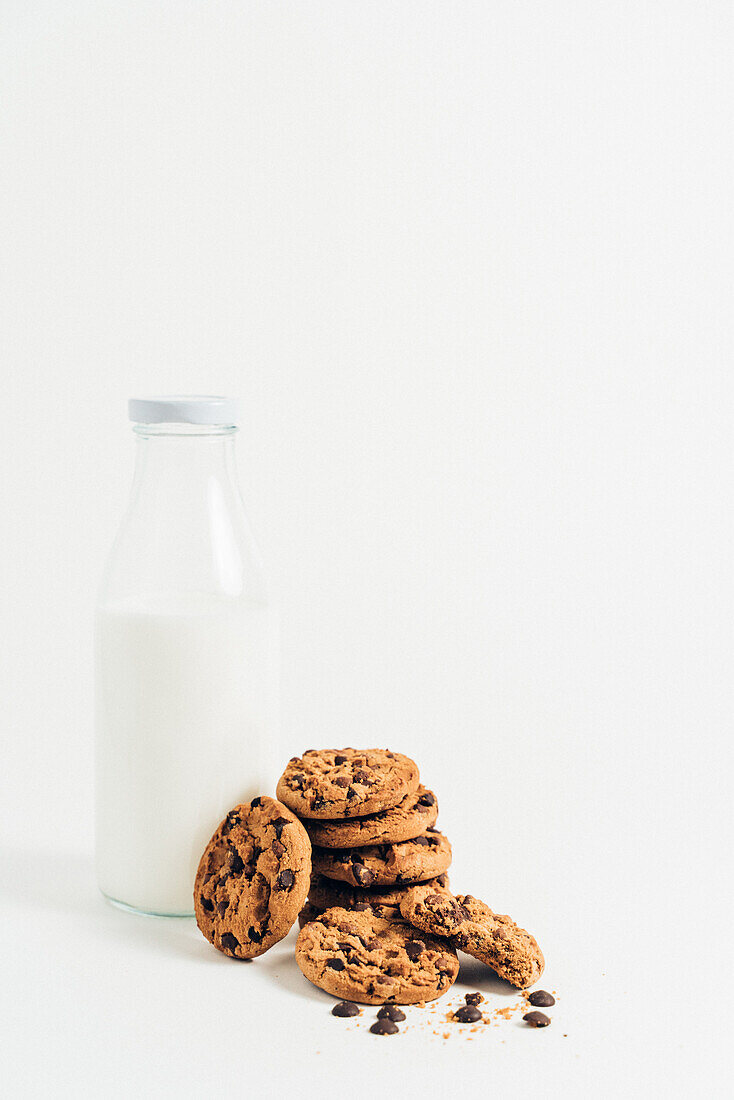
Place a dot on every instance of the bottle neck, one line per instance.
(178, 431)
(178, 459)
(184, 537)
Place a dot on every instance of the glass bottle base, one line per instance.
(142, 912)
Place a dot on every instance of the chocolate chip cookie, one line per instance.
(472, 926)
(325, 893)
(337, 783)
(253, 878)
(410, 818)
(497, 941)
(308, 913)
(414, 860)
(433, 909)
(364, 958)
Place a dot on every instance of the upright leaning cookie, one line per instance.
(361, 957)
(414, 860)
(411, 817)
(472, 926)
(253, 878)
(336, 783)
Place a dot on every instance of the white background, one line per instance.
(469, 266)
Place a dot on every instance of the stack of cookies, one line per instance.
(351, 849)
(371, 824)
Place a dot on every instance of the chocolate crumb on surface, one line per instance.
(540, 999)
(536, 1019)
(384, 1027)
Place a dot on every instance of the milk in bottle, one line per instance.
(186, 659)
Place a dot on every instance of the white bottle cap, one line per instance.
(219, 411)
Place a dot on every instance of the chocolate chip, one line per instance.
(229, 942)
(279, 824)
(256, 802)
(285, 880)
(297, 781)
(208, 905)
(222, 907)
(431, 829)
(434, 899)
(362, 875)
(370, 945)
(335, 964)
(391, 1012)
(317, 802)
(236, 865)
(384, 1027)
(340, 759)
(308, 751)
(536, 1019)
(473, 998)
(364, 778)
(345, 1008)
(254, 936)
(277, 848)
(443, 880)
(414, 948)
(541, 999)
(295, 760)
(422, 840)
(427, 799)
(345, 947)
(351, 793)
(467, 1014)
(341, 781)
(233, 818)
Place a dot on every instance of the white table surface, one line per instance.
(107, 1004)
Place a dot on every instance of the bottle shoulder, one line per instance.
(206, 550)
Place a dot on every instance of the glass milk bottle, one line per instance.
(185, 655)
